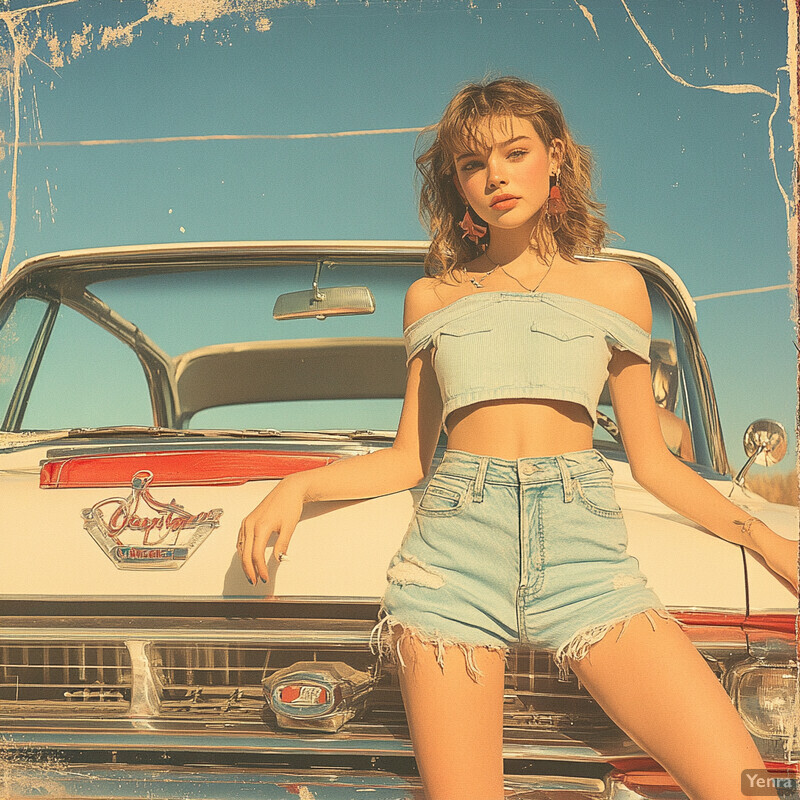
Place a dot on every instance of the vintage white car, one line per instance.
(151, 396)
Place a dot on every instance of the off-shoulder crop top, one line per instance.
(521, 344)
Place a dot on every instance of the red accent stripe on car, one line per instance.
(783, 623)
(186, 468)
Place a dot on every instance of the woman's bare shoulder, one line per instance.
(622, 288)
(426, 294)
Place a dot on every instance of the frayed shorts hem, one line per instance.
(381, 644)
(575, 648)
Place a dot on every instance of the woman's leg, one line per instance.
(656, 687)
(456, 724)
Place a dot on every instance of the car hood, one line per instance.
(52, 544)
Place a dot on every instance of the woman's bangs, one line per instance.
(467, 132)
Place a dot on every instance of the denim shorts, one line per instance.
(531, 550)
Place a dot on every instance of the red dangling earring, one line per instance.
(555, 203)
(472, 230)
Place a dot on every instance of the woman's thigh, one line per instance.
(656, 687)
(456, 723)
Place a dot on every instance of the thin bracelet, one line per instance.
(747, 524)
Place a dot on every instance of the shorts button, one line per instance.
(528, 468)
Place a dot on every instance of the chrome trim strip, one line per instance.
(210, 739)
(210, 599)
(304, 637)
(300, 637)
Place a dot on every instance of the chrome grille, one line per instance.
(40, 677)
(224, 678)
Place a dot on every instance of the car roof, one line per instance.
(130, 255)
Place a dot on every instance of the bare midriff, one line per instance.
(519, 428)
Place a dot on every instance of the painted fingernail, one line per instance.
(263, 580)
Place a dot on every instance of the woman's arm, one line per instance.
(665, 476)
(401, 466)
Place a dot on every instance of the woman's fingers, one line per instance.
(282, 543)
(278, 514)
(252, 544)
(244, 546)
(260, 548)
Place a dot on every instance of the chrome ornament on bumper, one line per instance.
(317, 695)
(135, 540)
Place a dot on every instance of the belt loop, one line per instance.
(566, 478)
(477, 487)
(605, 461)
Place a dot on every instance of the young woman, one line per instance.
(518, 536)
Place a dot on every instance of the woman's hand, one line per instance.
(279, 511)
(779, 554)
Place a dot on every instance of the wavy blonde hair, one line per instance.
(580, 230)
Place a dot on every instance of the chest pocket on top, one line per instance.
(562, 327)
(458, 336)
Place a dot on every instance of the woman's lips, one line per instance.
(509, 202)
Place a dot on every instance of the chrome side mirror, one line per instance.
(764, 443)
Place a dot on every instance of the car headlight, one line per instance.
(766, 697)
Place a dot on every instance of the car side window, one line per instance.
(87, 378)
(17, 336)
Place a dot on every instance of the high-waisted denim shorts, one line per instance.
(531, 550)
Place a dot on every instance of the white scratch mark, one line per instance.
(48, 65)
(36, 111)
(733, 88)
(122, 34)
(791, 228)
(13, 85)
(52, 205)
(80, 40)
(586, 13)
(743, 291)
(772, 152)
(222, 137)
(27, 9)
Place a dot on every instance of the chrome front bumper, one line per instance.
(117, 782)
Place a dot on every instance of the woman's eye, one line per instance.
(517, 153)
(470, 165)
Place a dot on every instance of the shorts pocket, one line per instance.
(445, 495)
(596, 492)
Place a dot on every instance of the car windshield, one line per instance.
(199, 348)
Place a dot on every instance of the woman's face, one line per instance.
(508, 184)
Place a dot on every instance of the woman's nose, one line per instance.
(495, 176)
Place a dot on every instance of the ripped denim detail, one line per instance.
(623, 580)
(380, 644)
(578, 646)
(408, 569)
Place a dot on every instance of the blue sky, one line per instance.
(685, 172)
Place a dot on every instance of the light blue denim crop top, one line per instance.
(522, 344)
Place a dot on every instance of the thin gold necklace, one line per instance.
(479, 284)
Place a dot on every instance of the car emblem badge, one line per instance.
(139, 531)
